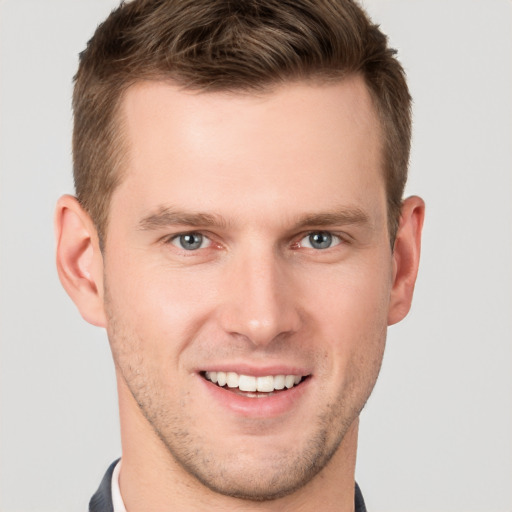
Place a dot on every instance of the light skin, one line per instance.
(248, 235)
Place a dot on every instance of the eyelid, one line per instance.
(174, 240)
(337, 239)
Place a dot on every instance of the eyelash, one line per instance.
(175, 238)
(336, 240)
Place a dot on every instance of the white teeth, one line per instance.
(232, 379)
(221, 378)
(288, 381)
(212, 376)
(265, 384)
(279, 382)
(249, 383)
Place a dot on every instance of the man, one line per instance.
(240, 232)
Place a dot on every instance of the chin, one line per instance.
(266, 474)
(266, 485)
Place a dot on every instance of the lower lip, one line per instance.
(258, 406)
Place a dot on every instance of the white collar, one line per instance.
(117, 500)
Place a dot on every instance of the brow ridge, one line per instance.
(340, 216)
(168, 216)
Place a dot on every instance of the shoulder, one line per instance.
(102, 499)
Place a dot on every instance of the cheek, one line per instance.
(355, 294)
(162, 307)
(355, 321)
(350, 309)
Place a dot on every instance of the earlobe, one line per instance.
(79, 259)
(406, 256)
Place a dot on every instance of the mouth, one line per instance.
(252, 386)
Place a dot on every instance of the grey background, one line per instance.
(436, 434)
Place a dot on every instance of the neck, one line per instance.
(151, 479)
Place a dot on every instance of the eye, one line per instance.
(320, 240)
(191, 241)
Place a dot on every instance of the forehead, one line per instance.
(198, 150)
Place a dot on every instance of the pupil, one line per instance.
(191, 241)
(320, 240)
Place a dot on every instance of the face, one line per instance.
(248, 243)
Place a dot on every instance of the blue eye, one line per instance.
(320, 240)
(191, 241)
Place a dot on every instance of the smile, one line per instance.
(249, 383)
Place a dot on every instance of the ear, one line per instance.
(406, 257)
(79, 259)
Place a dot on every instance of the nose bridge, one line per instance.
(259, 303)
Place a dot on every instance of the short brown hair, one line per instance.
(226, 45)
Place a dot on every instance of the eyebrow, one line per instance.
(338, 217)
(167, 216)
(171, 217)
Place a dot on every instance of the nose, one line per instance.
(258, 300)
